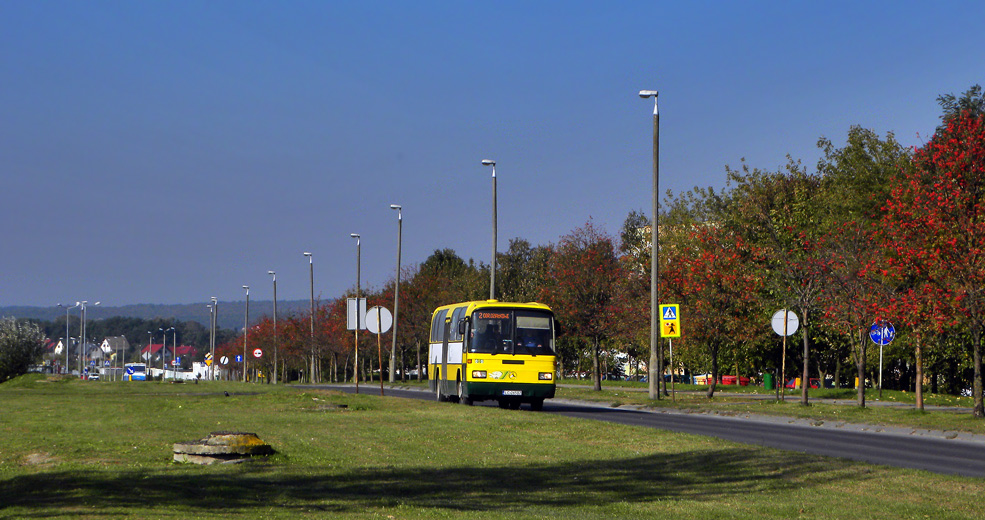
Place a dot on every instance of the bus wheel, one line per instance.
(462, 398)
(537, 405)
(437, 391)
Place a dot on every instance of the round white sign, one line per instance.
(224, 360)
(257, 353)
(378, 320)
(792, 322)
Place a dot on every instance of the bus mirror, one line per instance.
(461, 327)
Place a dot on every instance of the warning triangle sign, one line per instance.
(670, 313)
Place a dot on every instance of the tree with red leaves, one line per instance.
(586, 276)
(715, 276)
(854, 294)
(936, 220)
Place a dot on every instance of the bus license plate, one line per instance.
(512, 392)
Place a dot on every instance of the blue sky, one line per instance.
(166, 152)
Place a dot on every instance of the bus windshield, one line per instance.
(512, 332)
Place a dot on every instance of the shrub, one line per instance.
(21, 345)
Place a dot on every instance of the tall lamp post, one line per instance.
(274, 375)
(396, 292)
(67, 308)
(164, 343)
(174, 352)
(215, 318)
(311, 275)
(212, 356)
(246, 329)
(358, 324)
(492, 264)
(82, 350)
(656, 353)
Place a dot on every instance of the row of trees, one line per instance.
(875, 231)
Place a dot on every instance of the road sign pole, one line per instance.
(783, 360)
(882, 333)
(379, 346)
(673, 390)
(880, 370)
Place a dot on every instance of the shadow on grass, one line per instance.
(698, 475)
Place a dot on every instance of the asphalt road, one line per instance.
(952, 457)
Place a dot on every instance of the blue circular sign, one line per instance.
(130, 370)
(882, 332)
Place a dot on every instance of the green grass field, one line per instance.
(77, 449)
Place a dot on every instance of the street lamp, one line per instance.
(274, 375)
(396, 292)
(358, 264)
(656, 353)
(174, 353)
(164, 343)
(215, 318)
(311, 275)
(83, 333)
(246, 329)
(67, 308)
(492, 264)
(211, 356)
(150, 348)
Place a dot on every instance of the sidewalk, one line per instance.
(870, 400)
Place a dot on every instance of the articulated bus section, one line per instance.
(491, 350)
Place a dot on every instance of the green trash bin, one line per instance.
(768, 381)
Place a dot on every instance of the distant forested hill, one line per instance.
(231, 314)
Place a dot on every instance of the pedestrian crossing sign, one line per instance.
(670, 321)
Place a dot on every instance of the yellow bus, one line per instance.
(492, 350)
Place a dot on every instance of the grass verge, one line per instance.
(102, 450)
(750, 400)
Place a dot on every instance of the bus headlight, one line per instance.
(478, 374)
(546, 376)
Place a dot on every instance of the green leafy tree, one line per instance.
(856, 181)
(779, 215)
(971, 102)
(522, 271)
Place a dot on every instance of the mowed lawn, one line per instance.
(79, 449)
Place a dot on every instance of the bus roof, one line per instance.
(482, 304)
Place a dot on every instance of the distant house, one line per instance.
(152, 353)
(59, 349)
(114, 347)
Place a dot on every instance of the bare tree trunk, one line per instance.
(860, 373)
(976, 386)
(714, 372)
(806, 381)
(596, 365)
(918, 387)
